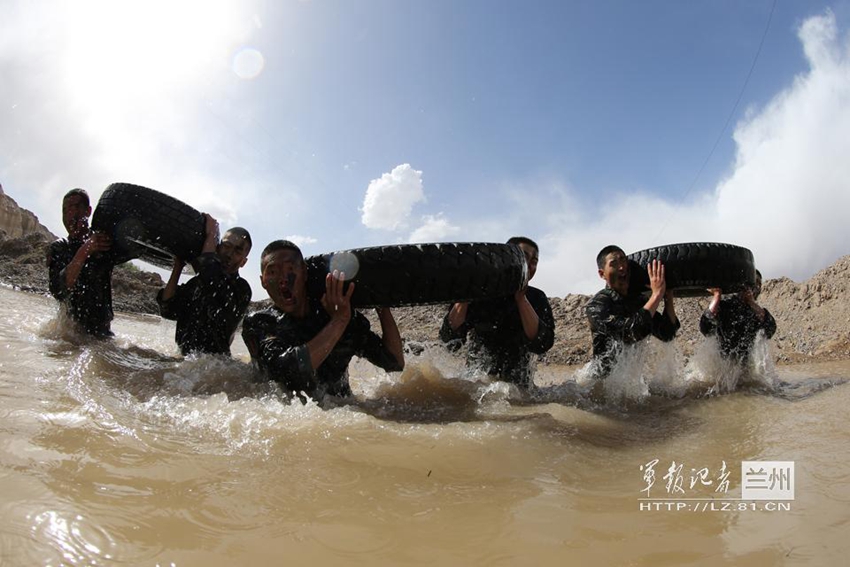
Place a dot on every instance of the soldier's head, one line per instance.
(613, 267)
(76, 210)
(234, 248)
(284, 275)
(531, 251)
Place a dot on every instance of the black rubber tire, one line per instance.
(423, 274)
(148, 225)
(690, 268)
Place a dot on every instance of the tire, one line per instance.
(148, 225)
(691, 268)
(423, 274)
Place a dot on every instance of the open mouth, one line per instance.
(286, 295)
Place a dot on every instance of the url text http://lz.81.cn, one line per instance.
(766, 486)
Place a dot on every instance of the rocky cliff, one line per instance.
(16, 222)
(813, 317)
(23, 255)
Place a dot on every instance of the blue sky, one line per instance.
(346, 124)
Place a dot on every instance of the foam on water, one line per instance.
(225, 405)
(709, 373)
(122, 452)
(427, 393)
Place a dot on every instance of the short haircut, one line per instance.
(523, 240)
(600, 258)
(276, 245)
(77, 192)
(241, 233)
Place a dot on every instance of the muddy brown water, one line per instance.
(121, 453)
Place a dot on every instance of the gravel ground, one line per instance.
(813, 317)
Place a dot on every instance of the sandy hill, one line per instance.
(813, 320)
(813, 317)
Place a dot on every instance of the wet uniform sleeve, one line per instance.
(545, 327)
(172, 308)
(57, 260)
(371, 346)
(604, 320)
(212, 291)
(276, 352)
(708, 323)
(243, 301)
(224, 296)
(447, 334)
(255, 328)
(662, 328)
(768, 324)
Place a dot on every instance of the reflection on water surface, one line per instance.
(121, 452)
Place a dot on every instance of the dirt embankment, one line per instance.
(813, 317)
(23, 256)
(23, 264)
(16, 221)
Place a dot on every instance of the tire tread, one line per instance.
(424, 274)
(692, 267)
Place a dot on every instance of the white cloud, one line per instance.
(300, 240)
(634, 222)
(390, 199)
(789, 194)
(96, 100)
(786, 198)
(434, 229)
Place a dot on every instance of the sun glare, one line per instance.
(126, 52)
(137, 74)
(248, 63)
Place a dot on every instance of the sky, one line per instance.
(344, 124)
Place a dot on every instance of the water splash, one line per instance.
(426, 393)
(710, 373)
(226, 406)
